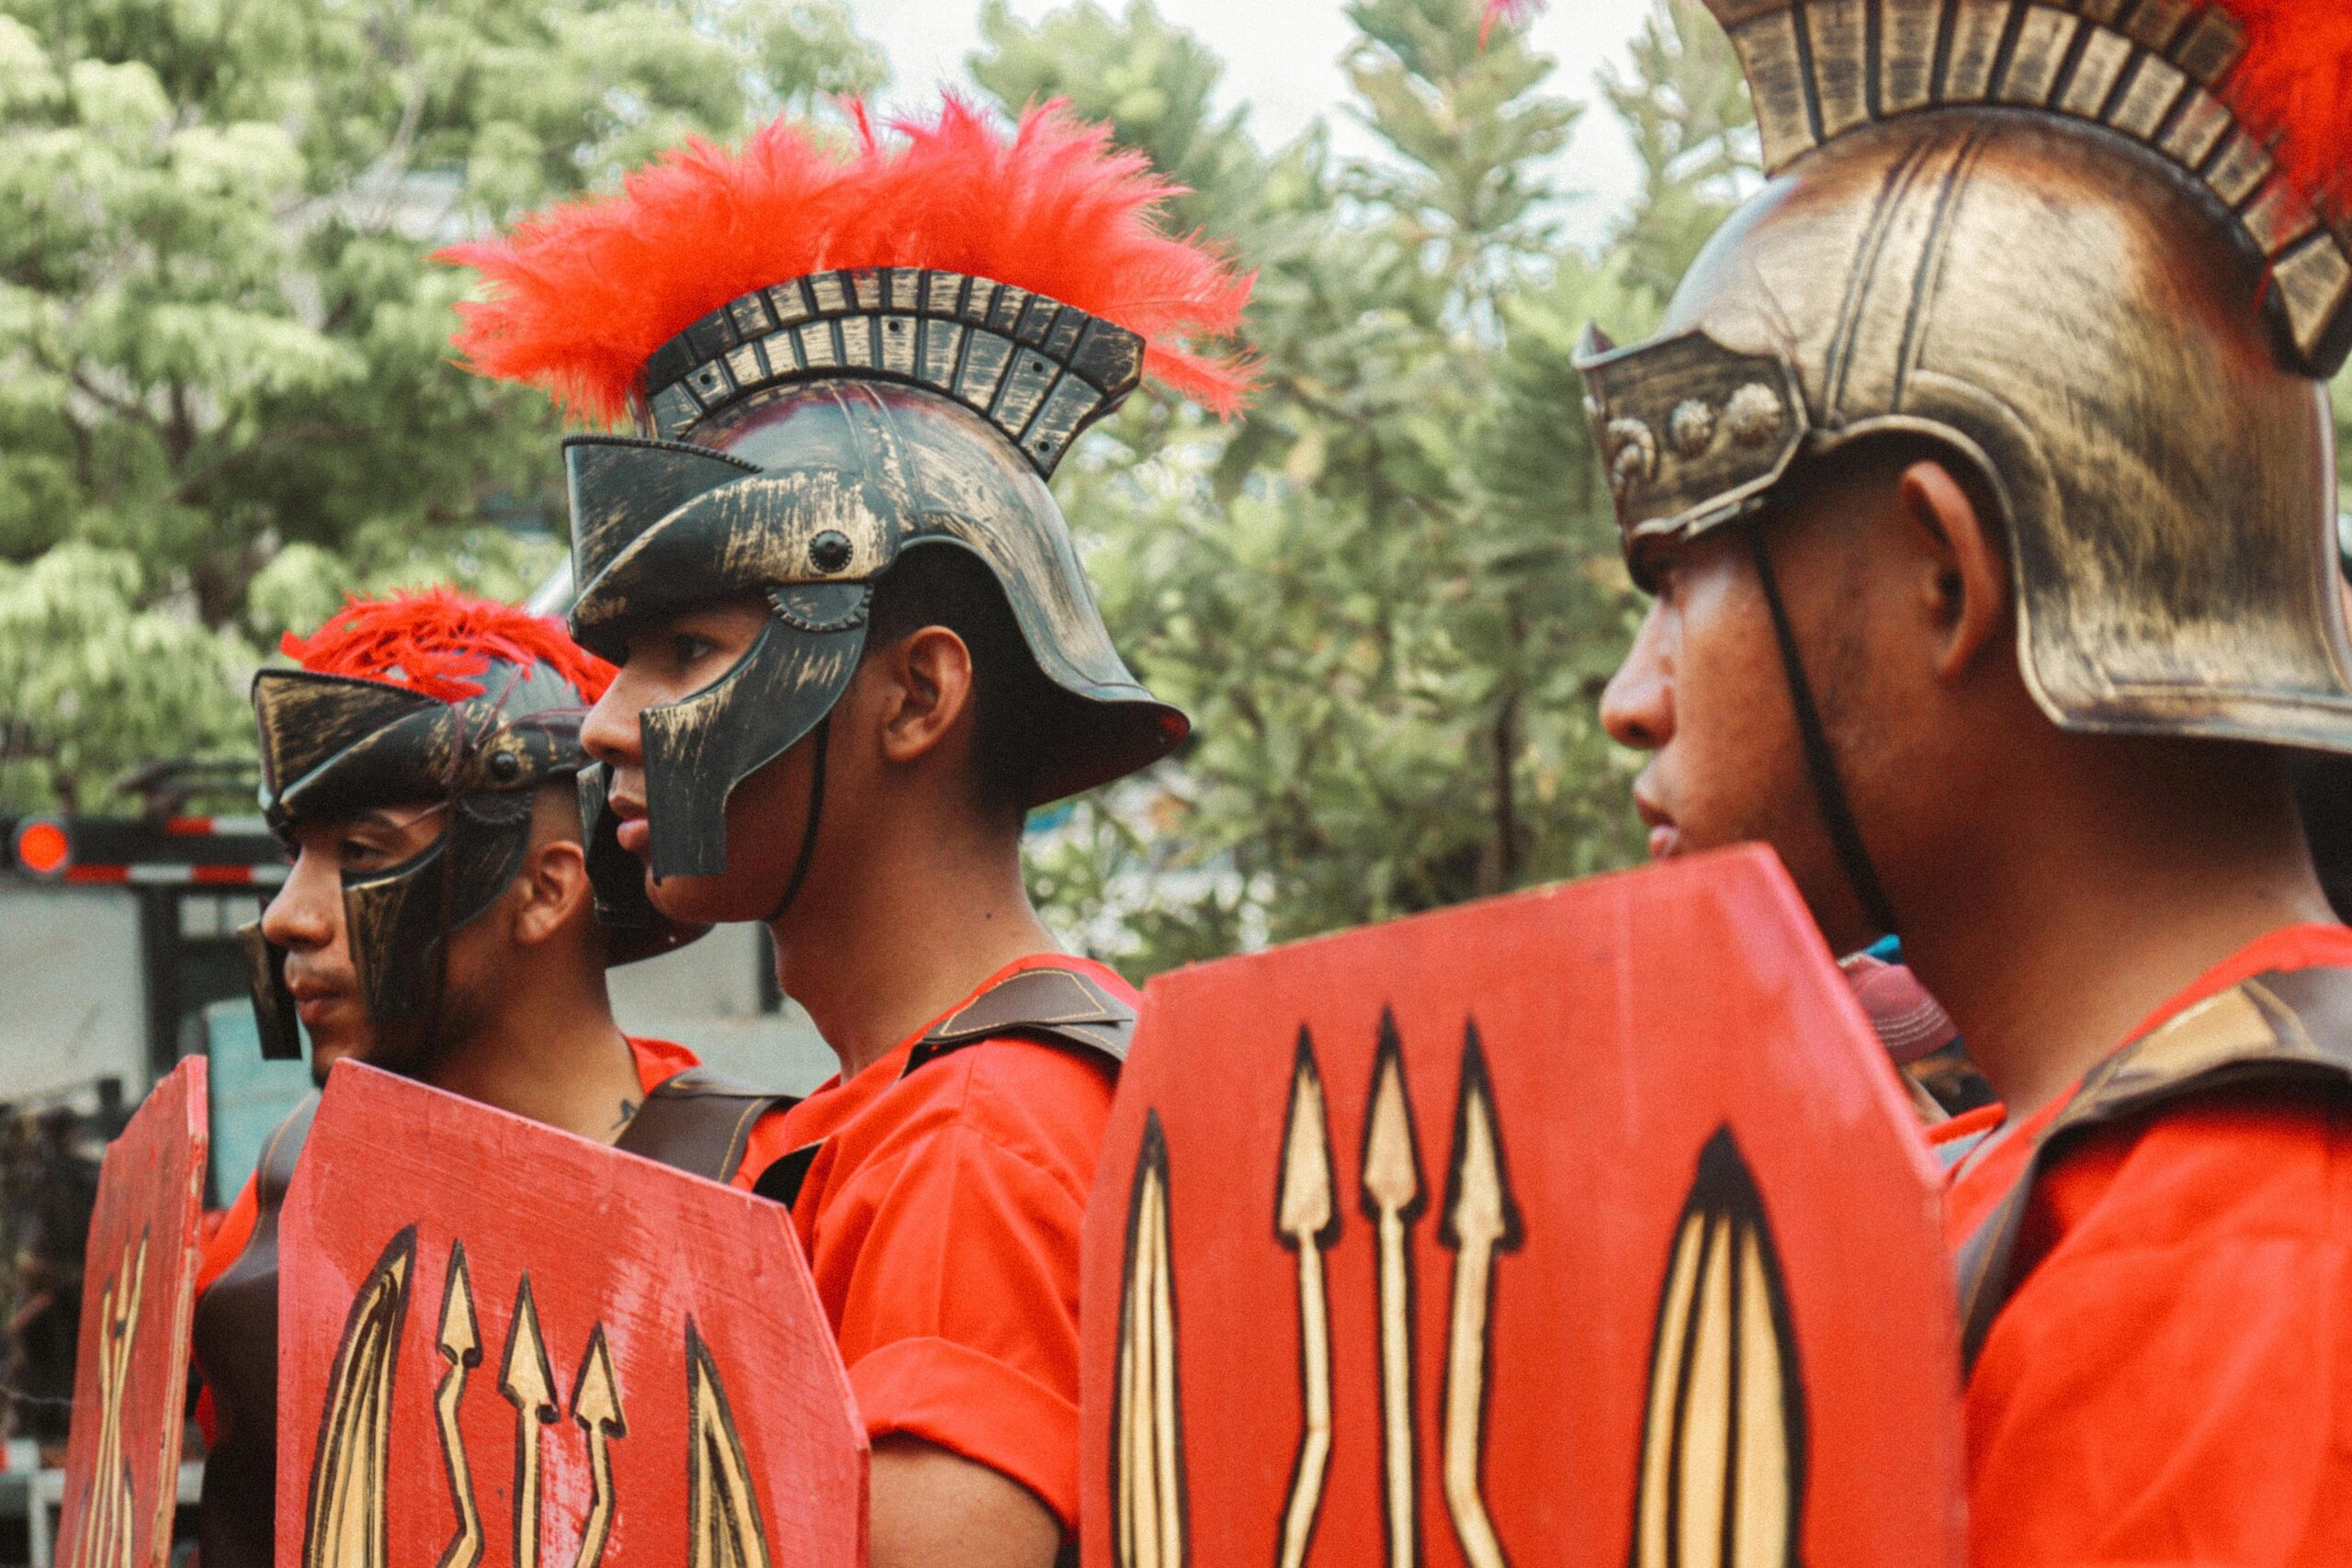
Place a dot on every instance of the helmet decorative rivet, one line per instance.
(506, 766)
(1692, 426)
(1753, 415)
(1633, 454)
(830, 551)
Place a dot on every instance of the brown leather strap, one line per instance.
(2283, 1028)
(699, 1122)
(1061, 1006)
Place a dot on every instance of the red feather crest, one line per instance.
(2294, 89)
(1515, 12)
(431, 641)
(584, 294)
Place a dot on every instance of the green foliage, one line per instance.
(1390, 596)
(100, 678)
(222, 352)
(1686, 108)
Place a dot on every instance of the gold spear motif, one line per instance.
(529, 1383)
(1723, 1473)
(723, 1523)
(1308, 1220)
(345, 1524)
(596, 1405)
(104, 1537)
(460, 1346)
(1148, 1526)
(1393, 1200)
(1478, 1220)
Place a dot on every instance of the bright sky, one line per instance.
(1282, 61)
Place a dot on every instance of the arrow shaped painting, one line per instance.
(657, 1386)
(1567, 1193)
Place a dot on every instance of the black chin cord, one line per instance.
(1820, 762)
(816, 818)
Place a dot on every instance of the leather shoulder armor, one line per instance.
(1059, 1007)
(698, 1121)
(2288, 1028)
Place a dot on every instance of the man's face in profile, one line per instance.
(306, 919)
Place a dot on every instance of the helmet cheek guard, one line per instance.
(274, 1017)
(398, 920)
(699, 749)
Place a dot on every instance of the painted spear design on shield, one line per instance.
(460, 1343)
(1478, 1220)
(1723, 1471)
(344, 1526)
(1148, 1526)
(1308, 1220)
(529, 1383)
(1393, 1201)
(724, 1528)
(596, 1405)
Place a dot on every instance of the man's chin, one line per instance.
(725, 899)
(339, 1043)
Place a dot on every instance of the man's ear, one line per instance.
(1968, 585)
(553, 891)
(930, 676)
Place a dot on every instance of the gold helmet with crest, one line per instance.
(2097, 249)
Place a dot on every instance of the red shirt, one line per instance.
(2171, 1383)
(942, 1210)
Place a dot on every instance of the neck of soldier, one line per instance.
(877, 949)
(538, 1039)
(2120, 871)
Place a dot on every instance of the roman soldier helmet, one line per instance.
(435, 697)
(832, 357)
(2100, 251)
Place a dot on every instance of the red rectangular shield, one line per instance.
(501, 1343)
(1582, 1227)
(122, 1462)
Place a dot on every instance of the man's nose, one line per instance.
(610, 732)
(307, 913)
(1637, 705)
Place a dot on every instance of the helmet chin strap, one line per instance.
(816, 818)
(1820, 762)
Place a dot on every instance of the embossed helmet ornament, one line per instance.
(433, 697)
(831, 358)
(2101, 249)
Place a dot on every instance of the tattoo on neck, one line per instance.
(628, 1110)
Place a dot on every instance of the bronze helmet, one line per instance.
(2039, 235)
(799, 439)
(2033, 232)
(497, 721)
(833, 359)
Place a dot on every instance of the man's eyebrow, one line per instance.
(384, 817)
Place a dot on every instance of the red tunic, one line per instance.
(2171, 1383)
(942, 1209)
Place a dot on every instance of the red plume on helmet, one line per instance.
(1515, 12)
(2292, 88)
(432, 641)
(582, 294)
